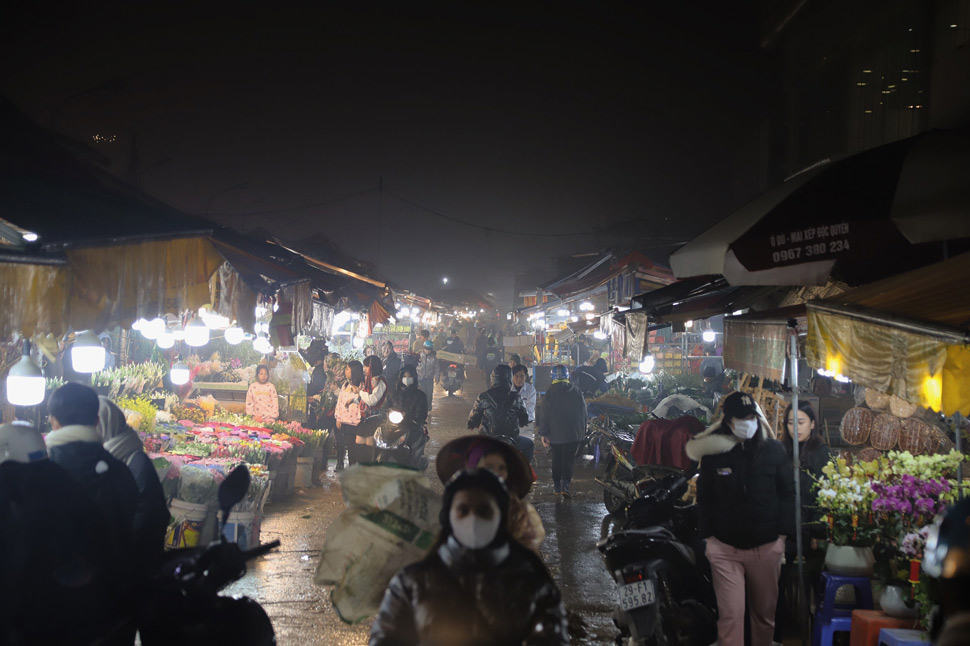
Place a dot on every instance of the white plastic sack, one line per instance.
(391, 521)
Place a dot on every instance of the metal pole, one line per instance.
(796, 469)
(957, 419)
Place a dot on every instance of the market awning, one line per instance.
(121, 283)
(908, 336)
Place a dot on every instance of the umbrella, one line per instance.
(845, 217)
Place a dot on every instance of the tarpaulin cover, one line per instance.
(34, 299)
(322, 321)
(376, 314)
(636, 335)
(120, 283)
(756, 347)
(916, 367)
(233, 298)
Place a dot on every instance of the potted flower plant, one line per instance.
(845, 498)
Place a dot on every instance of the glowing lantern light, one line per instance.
(87, 355)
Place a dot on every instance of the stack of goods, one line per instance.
(887, 423)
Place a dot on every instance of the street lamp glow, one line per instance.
(30, 236)
(444, 280)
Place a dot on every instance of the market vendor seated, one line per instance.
(262, 401)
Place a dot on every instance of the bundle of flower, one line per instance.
(312, 438)
(132, 379)
(168, 466)
(189, 412)
(198, 484)
(845, 496)
(139, 412)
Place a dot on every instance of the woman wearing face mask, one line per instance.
(408, 399)
(508, 463)
(746, 498)
(477, 586)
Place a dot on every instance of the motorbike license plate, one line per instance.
(636, 595)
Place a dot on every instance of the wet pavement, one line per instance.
(301, 611)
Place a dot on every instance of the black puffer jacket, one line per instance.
(62, 580)
(561, 414)
(499, 410)
(409, 399)
(458, 597)
(746, 490)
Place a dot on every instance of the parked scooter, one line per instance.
(401, 441)
(453, 377)
(621, 471)
(182, 603)
(613, 445)
(665, 592)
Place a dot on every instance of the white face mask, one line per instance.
(745, 428)
(473, 531)
(407, 381)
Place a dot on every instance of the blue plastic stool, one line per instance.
(902, 637)
(831, 617)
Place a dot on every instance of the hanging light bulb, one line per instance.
(166, 340)
(261, 344)
(87, 355)
(648, 364)
(708, 336)
(234, 335)
(598, 334)
(25, 381)
(153, 329)
(179, 374)
(196, 333)
(139, 325)
(688, 324)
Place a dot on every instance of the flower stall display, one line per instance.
(129, 380)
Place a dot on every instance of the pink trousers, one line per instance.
(740, 574)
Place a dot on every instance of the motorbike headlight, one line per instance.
(395, 417)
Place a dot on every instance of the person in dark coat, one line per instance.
(492, 357)
(500, 411)
(454, 343)
(481, 345)
(75, 445)
(746, 500)
(151, 513)
(62, 580)
(477, 586)
(591, 380)
(582, 353)
(813, 455)
(408, 399)
(392, 363)
(561, 421)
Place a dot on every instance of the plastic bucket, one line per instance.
(304, 472)
(271, 492)
(191, 525)
(242, 529)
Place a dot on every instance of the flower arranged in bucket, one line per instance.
(845, 497)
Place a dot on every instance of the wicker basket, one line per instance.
(877, 400)
(885, 432)
(868, 454)
(856, 426)
(901, 408)
(917, 437)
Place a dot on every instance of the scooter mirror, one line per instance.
(233, 489)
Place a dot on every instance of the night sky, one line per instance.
(617, 122)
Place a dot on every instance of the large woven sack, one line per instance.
(856, 425)
(885, 431)
(901, 408)
(877, 400)
(918, 437)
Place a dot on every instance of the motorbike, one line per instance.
(453, 377)
(621, 471)
(400, 441)
(613, 445)
(181, 603)
(666, 596)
